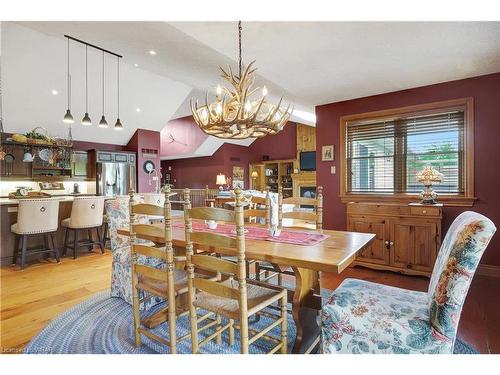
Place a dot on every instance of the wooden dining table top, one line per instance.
(334, 254)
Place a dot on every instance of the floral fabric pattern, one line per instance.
(364, 317)
(117, 211)
(457, 261)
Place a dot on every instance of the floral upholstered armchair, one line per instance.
(117, 211)
(364, 317)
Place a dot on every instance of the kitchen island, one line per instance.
(8, 216)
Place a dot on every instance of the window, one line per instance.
(383, 151)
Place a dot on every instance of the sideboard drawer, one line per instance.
(425, 211)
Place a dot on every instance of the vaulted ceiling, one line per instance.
(309, 63)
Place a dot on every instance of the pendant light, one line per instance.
(68, 118)
(86, 119)
(103, 123)
(118, 124)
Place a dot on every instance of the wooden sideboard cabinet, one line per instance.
(408, 237)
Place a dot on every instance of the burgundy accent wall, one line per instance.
(280, 146)
(201, 171)
(147, 139)
(188, 137)
(198, 172)
(87, 146)
(486, 93)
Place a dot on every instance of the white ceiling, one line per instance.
(309, 63)
(325, 62)
(34, 64)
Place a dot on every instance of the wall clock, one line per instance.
(148, 166)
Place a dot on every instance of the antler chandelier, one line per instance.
(236, 112)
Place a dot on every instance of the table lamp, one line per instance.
(221, 180)
(254, 176)
(427, 177)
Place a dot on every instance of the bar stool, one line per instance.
(86, 215)
(105, 232)
(153, 198)
(156, 200)
(36, 217)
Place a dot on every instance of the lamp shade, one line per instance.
(103, 123)
(255, 174)
(429, 175)
(86, 120)
(221, 179)
(118, 125)
(68, 118)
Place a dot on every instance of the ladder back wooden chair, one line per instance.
(306, 219)
(167, 282)
(235, 298)
(260, 207)
(309, 220)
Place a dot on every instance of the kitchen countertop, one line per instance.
(62, 197)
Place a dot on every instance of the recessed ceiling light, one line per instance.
(55, 92)
(151, 52)
(136, 65)
(137, 109)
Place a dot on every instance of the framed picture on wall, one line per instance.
(327, 153)
(238, 173)
(238, 177)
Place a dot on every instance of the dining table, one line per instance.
(333, 254)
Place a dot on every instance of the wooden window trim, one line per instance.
(462, 104)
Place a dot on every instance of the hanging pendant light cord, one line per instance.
(86, 83)
(118, 81)
(103, 83)
(69, 83)
(239, 47)
(1, 103)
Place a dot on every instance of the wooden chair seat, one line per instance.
(258, 297)
(159, 288)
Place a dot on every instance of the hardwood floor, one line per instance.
(31, 298)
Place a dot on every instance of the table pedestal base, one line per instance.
(305, 306)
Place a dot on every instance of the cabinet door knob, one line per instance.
(391, 243)
(424, 211)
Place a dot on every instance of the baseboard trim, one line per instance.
(488, 270)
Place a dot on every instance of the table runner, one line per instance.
(259, 233)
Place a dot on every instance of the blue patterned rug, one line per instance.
(104, 325)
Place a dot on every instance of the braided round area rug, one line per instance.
(104, 325)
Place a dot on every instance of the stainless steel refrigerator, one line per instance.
(114, 178)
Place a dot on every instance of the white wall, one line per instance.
(34, 64)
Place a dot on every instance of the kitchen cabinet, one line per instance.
(80, 164)
(408, 237)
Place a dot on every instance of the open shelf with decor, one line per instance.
(273, 173)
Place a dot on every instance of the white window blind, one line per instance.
(383, 156)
